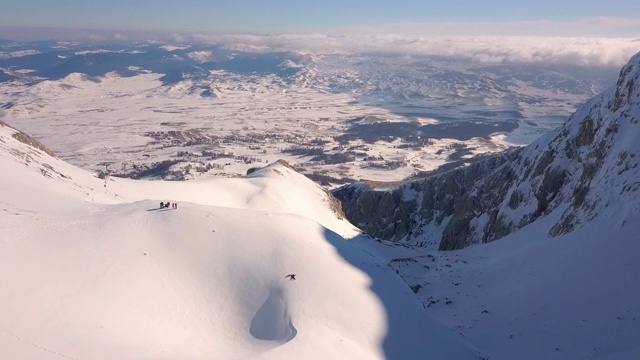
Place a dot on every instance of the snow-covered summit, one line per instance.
(95, 269)
(591, 162)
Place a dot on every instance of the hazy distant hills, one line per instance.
(54, 61)
(367, 73)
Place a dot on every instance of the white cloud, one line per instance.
(490, 49)
(120, 37)
(177, 38)
(592, 27)
(592, 42)
(587, 42)
(97, 37)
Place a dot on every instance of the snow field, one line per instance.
(95, 272)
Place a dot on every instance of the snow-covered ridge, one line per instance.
(596, 154)
(15, 54)
(94, 269)
(586, 168)
(26, 139)
(200, 56)
(99, 51)
(175, 47)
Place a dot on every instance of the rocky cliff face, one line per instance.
(586, 168)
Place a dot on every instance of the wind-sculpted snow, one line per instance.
(273, 321)
(94, 269)
(587, 168)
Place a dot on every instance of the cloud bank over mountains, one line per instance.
(584, 42)
(588, 27)
(487, 49)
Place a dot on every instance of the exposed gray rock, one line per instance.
(26, 139)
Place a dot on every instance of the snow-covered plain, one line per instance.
(93, 269)
(83, 119)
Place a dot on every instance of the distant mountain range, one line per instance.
(383, 79)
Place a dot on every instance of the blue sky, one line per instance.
(497, 17)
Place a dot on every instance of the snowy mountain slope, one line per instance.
(530, 296)
(560, 284)
(587, 168)
(93, 269)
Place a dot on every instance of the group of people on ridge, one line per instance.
(168, 204)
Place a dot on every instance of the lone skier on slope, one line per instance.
(291, 277)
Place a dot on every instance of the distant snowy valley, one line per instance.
(178, 112)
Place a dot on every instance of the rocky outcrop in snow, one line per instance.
(586, 168)
(26, 139)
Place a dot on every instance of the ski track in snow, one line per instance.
(4, 331)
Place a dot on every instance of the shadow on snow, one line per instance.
(411, 333)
